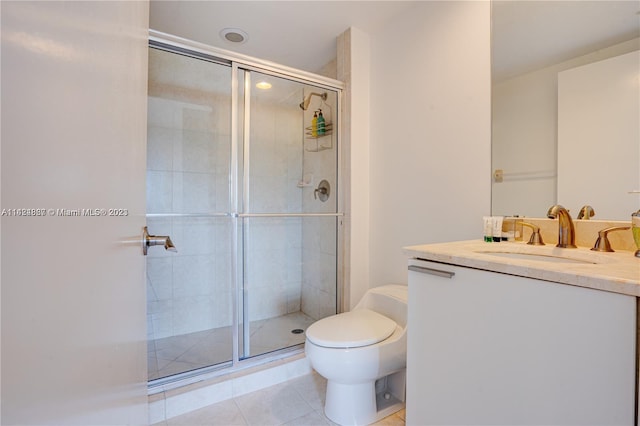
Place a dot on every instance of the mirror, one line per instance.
(533, 42)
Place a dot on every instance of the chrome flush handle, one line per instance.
(156, 240)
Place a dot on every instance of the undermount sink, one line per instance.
(538, 257)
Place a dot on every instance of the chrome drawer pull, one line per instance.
(423, 270)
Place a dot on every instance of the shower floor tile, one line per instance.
(186, 352)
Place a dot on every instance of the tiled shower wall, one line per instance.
(319, 240)
(187, 172)
(290, 262)
(273, 264)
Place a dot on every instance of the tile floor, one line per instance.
(296, 402)
(177, 354)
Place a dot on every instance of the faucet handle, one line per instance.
(536, 238)
(602, 243)
(586, 212)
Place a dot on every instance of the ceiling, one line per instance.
(299, 34)
(529, 35)
(526, 35)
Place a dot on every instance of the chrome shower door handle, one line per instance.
(156, 240)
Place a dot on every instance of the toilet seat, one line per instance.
(361, 327)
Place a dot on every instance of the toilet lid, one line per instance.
(353, 329)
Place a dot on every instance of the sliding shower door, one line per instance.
(289, 228)
(190, 293)
(247, 189)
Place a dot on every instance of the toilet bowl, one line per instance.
(363, 356)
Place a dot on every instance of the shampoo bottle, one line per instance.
(314, 124)
(321, 124)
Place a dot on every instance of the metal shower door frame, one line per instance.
(239, 208)
(242, 209)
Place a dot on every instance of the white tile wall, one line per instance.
(188, 172)
(318, 291)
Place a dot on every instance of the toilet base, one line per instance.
(353, 404)
(365, 403)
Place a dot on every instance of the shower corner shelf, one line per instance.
(328, 129)
(317, 144)
(311, 136)
(321, 143)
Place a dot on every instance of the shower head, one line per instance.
(305, 104)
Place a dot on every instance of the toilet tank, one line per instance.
(388, 300)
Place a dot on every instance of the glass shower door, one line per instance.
(247, 190)
(289, 229)
(190, 293)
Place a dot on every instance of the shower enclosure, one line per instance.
(246, 183)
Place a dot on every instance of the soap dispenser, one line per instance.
(321, 124)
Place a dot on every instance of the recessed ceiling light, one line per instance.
(234, 35)
(263, 85)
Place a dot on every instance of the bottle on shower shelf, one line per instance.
(321, 124)
(314, 124)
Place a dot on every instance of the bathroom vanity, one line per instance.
(506, 333)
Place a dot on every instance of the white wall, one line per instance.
(429, 131)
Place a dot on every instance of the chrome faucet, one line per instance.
(566, 231)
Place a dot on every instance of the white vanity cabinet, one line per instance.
(491, 348)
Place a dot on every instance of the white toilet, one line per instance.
(363, 356)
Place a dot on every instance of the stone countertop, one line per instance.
(617, 272)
